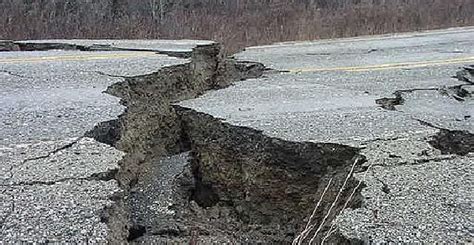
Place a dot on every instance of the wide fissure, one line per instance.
(189, 176)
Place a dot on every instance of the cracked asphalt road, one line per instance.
(327, 92)
(55, 184)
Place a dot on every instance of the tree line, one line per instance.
(237, 23)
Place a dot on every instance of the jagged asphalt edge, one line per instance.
(103, 131)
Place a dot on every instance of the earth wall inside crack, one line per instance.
(266, 187)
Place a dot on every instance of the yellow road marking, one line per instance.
(75, 57)
(389, 66)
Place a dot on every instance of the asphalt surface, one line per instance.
(54, 184)
(327, 91)
(51, 189)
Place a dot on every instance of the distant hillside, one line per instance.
(238, 23)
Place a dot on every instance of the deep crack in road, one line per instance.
(220, 150)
